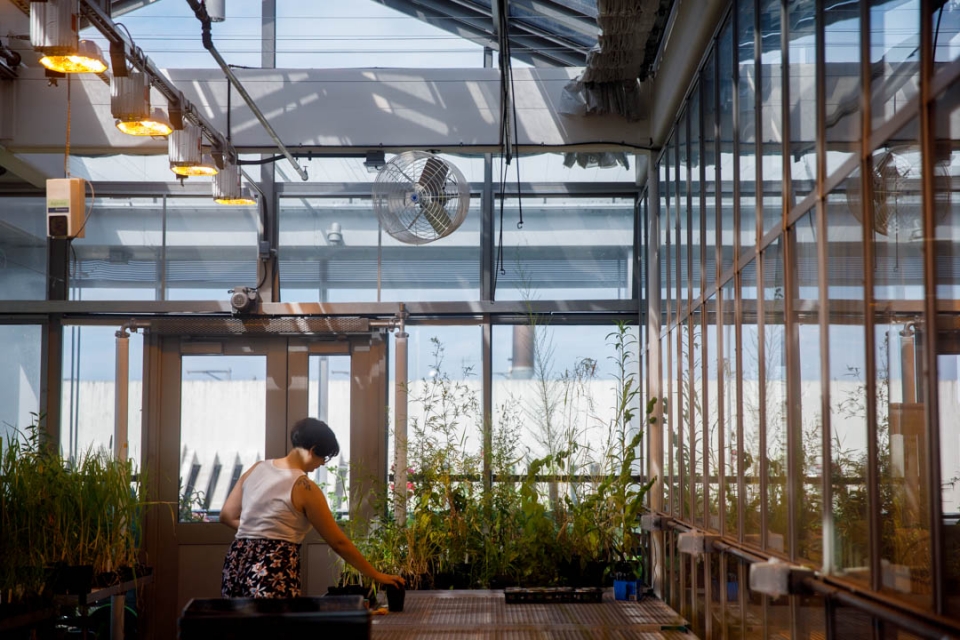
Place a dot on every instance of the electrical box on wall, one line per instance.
(66, 204)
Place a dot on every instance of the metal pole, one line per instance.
(121, 449)
(400, 432)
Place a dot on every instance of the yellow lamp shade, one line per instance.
(156, 124)
(87, 59)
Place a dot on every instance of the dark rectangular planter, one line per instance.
(544, 595)
(341, 617)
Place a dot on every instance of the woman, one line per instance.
(272, 507)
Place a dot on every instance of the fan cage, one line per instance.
(419, 197)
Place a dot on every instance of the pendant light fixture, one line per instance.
(185, 150)
(53, 33)
(130, 105)
(227, 189)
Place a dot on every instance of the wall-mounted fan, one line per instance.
(897, 189)
(420, 197)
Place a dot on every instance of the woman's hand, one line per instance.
(389, 579)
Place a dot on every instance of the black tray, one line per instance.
(229, 618)
(541, 595)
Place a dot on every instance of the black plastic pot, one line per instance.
(395, 597)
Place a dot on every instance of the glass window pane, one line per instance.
(23, 249)
(708, 97)
(747, 125)
(684, 452)
(843, 87)
(87, 401)
(210, 248)
(809, 458)
(120, 255)
(775, 398)
(730, 379)
(803, 97)
(894, 56)
(554, 386)
(668, 271)
(328, 397)
(223, 407)
(682, 189)
(850, 541)
(946, 32)
(675, 425)
(750, 376)
(947, 131)
(712, 414)
(693, 392)
(728, 231)
(697, 188)
(771, 118)
(19, 378)
(568, 249)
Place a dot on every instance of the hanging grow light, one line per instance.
(227, 189)
(186, 155)
(130, 105)
(53, 33)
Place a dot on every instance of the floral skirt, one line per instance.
(261, 568)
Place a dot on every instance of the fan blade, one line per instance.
(432, 179)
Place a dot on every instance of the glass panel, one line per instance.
(328, 395)
(809, 458)
(87, 401)
(697, 188)
(947, 203)
(894, 56)
(843, 87)
(19, 378)
(568, 249)
(811, 617)
(747, 125)
(803, 97)
(210, 248)
(708, 93)
(668, 270)
(683, 414)
(754, 608)
(850, 540)
(728, 229)
(683, 222)
(121, 254)
(23, 249)
(712, 413)
(700, 576)
(730, 377)
(899, 360)
(730, 594)
(946, 32)
(676, 426)
(771, 118)
(750, 377)
(693, 391)
(778, 618)
(223, 407)
(775, 398)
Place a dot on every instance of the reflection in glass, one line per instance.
(747, 125)
(809, 458)
(771, 119)
(698, 180)
(708, 93)
(121, 255)
(693, 391)
(667, 239)
(728, 231)
(894, 56)
(730, 379)
(842, 96)
(712, 414)
(811, 617)
(683, 222)
(750, 379)
(849, 543)
(802, 47)
(328, 398)
(676, 425)
(223, 403)
(946, 32)
(947, 203)
(23, 249)
(684, 411)
(19, 378)
(213, 248)
(87, 400)
(775, 398)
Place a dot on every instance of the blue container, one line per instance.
(624, 589)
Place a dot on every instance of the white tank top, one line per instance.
(266, 510)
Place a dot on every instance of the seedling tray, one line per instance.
(544, 595)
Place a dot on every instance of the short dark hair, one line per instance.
(314, 435)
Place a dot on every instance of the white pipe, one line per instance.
(400, 432)
(121, 449)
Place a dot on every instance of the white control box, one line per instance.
(66, 208)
